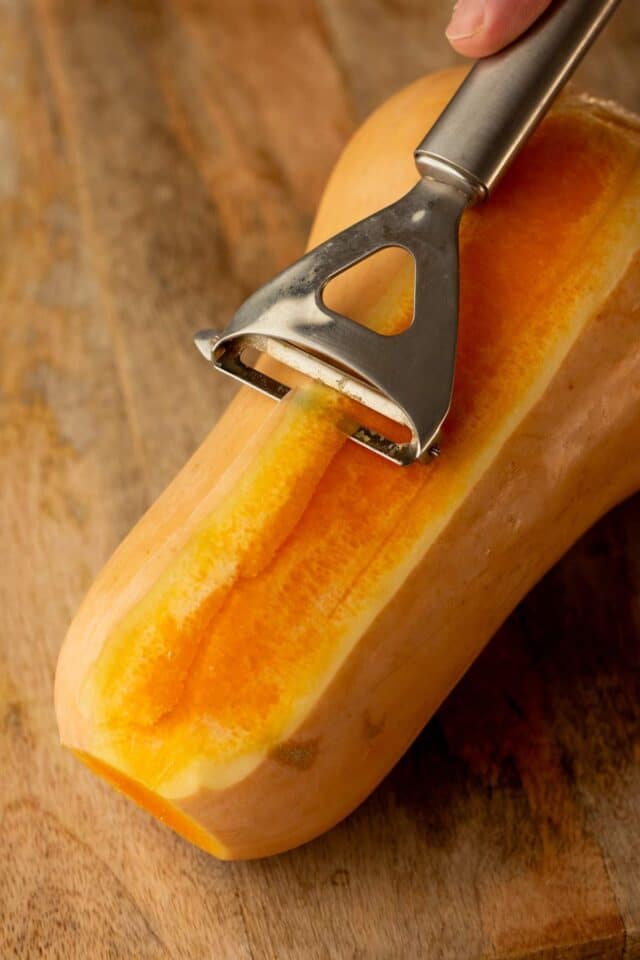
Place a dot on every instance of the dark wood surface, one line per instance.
(158, 160)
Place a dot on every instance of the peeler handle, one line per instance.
(506, 95)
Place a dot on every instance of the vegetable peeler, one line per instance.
(408, 378)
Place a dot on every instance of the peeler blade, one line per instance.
(406, 378)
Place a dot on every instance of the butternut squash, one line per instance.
(280, 625)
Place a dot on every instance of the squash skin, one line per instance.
(550, 481)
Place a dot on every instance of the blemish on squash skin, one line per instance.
(372, 728)
(300, 754)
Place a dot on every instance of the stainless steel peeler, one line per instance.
(408, 378)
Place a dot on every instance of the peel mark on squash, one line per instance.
(145, 665)
(227, 688)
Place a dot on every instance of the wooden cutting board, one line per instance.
(159, 160)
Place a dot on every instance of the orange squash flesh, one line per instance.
(283, 621)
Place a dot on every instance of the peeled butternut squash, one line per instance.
(283, 621)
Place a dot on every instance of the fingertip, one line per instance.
(467, 23)
(482, 44)
(479, 28)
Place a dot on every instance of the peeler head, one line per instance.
(406, 378)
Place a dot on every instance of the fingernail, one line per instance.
(467, 19)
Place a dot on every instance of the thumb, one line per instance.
(480, 27)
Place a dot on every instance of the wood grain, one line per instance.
(158, 160)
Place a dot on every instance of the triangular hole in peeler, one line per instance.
(377, 292)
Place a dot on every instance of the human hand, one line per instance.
(480, 27)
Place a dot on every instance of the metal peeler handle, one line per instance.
(506, 95)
